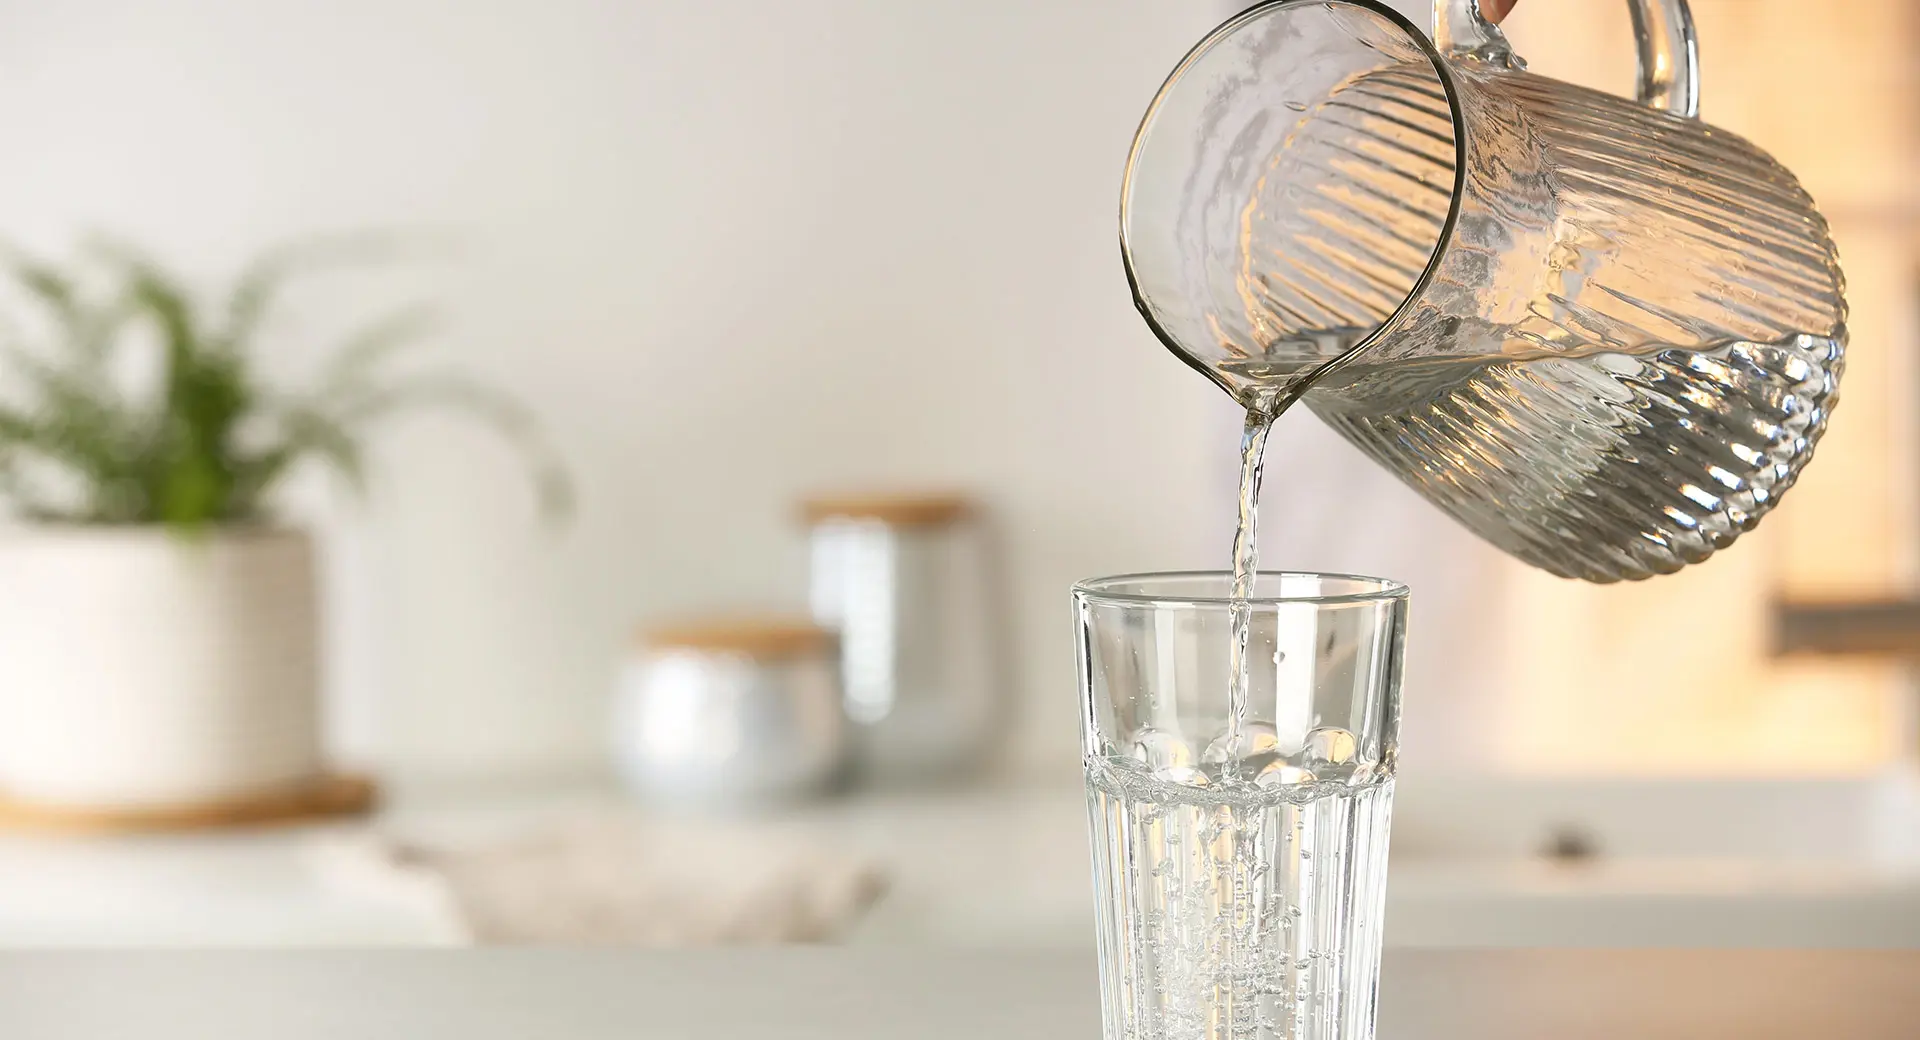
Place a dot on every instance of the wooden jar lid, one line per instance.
(931, 510)
(761, 638)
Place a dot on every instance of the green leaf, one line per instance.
(362, 353)
(88, 326)
(192, 493)
(79, 421)
(258, 286)
(53, 289)
(304, 431)
(16, 431)
(492, 407)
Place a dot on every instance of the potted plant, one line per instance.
(158, 623)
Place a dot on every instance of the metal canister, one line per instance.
(731, 712)
(907, 581)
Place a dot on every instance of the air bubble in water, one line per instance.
(1331, 745)
(1160, 751)
(1257, 740)
(1280, 774)
(1186, 775)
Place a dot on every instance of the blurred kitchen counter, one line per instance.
(1005, 865)
(849, 994)
(979, 865)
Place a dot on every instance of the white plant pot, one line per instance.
(140, 668)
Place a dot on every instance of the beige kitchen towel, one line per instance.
(619, 880)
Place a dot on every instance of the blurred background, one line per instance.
(766, 276)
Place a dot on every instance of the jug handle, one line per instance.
(1662, 33)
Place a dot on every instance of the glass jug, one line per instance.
(1601, 333)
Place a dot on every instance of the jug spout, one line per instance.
(1227, 240)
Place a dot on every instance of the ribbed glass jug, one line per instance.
(1599, 332)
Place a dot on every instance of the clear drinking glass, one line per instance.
(1239, 896)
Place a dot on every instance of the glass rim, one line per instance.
(1441, 242)
(1107, 590)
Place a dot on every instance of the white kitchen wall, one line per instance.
(731, 252)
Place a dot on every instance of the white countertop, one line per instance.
(852, 994)
(1001, 866)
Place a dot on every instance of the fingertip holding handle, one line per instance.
(1460, 28)
(1669, 50)
(1495, 10)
